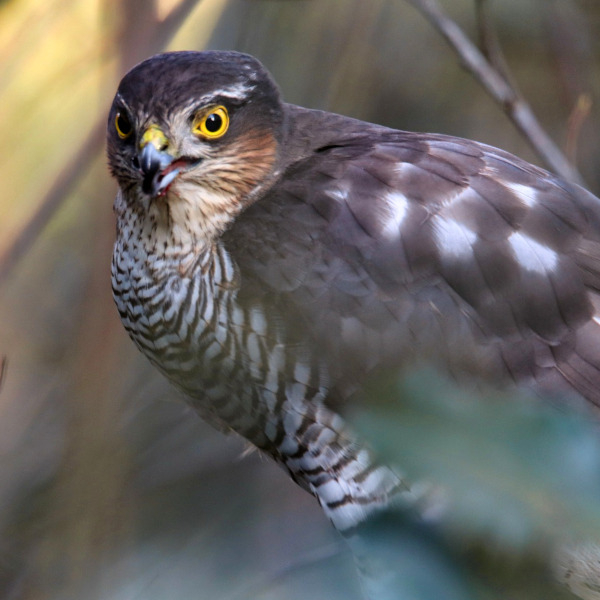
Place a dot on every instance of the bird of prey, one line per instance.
(269, 258)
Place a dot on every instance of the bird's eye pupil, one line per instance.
(213, 122)
(123, 125)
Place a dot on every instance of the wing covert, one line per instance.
(438, 248)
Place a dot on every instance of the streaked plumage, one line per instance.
(268, 270)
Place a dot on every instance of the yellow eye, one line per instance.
(212, 123)
(123, 126)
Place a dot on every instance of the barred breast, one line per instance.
(231, 360)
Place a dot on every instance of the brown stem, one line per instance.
(3, 365)
(579, 114)
(500, 89)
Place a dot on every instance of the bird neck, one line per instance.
(192, 217)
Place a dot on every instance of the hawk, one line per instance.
(269, 258)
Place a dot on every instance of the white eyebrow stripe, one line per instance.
(532, 255)
(238, 91)
(453, 238)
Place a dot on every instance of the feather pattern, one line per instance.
(305, 251)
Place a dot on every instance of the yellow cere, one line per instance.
(212, 122)
(154, 135)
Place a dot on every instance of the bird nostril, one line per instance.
(135, 161)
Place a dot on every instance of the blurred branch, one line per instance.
(156, 37)
(3, 364)
(579, 114)
(171, 23)
(489, 44)
(52, 201)
(570, 43)
(497, 84)
(571, 47)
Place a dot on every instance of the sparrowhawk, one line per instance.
(269, 258)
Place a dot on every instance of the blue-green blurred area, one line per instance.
(111, 488)
(519, 472)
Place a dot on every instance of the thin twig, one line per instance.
(3, 365)
(489, 44)
(580, 113)
(53, 200)
(497, 86)
(172, 22)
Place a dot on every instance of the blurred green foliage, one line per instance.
(517, 472)
(513, 479)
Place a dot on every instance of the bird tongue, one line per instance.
(181, 164)
(169, 173)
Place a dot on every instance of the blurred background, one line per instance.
(109, 486)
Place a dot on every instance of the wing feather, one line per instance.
(393, 247)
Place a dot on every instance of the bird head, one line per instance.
(193, 137)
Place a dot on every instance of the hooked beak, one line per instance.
(157, 169)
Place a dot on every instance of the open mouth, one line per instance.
(160, 170)
(167, 176)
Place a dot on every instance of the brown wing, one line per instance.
(390, 247)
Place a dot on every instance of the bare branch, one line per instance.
(579, 114)
(171, 23)
(53, 200)
(3, 365)
(489, 44)
(498, 87)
